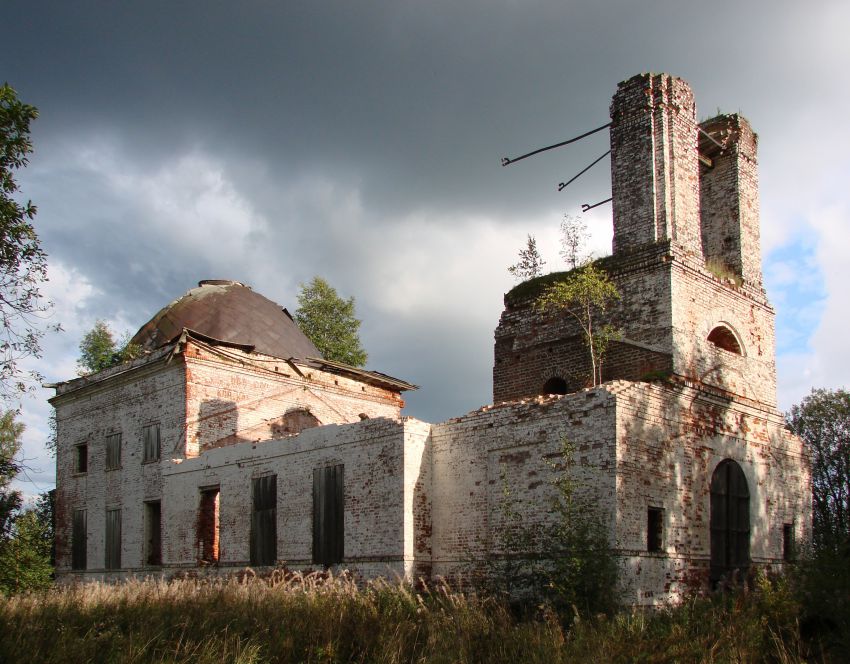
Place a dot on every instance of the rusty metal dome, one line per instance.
(231, 312)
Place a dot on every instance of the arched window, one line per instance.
(730, 521)
(555, 385)
(722, 337)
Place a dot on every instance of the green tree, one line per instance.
(530, 263)
(585, 294)
(822, 419)
(329, 322)
(99, 350)
(23, 264)
(10, 445)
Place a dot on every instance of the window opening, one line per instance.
(788, 543)
(81, 458)
(113, 451)
(555, 385)
(729, 521)
(328, 515)
(153, 533)
(113, 539)
(150, 443)
(79, 535)
(208, 526)
(724, 338)
(654, 529)
(264, 521)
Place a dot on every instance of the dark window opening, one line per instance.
(81, 458)
(264, 521)
(113, 539)
(153, 533)
(555, 385)
(208, 526)
(79, 536)
(150, 443)
(328, 515)
(113, 451)
(654, 529)
(788, 542)
(722, 337)
(729, 522)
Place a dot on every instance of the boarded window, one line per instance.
(113, 539)
(150, 443)
(730, 521)
(81, 458)
(79, 535)
(153, 533)
(328, 515)
(113, 451)
(724, 338)
(654, 529)
(264, 521)
(788, 543)
(208, 525)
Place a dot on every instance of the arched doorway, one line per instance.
(730, 521)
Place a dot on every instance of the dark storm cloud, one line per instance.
(272, 141)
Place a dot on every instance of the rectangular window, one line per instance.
(328, 515)
(79, 533)
(654, 529)
(113, 539)
(788, 544)
(81, 458)
(113, 451)
(208, 525)
(150, 443)
(264, 521)
(153, 533)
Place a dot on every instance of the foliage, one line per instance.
(822, 419)
(296, 618)
(723, 272)
(23, 264)
(25, 556)
(26, 538)
(10, 446)
(574, 237)
(530, 263)
(329, 322)
(822, 583)
(99, 350)
(585, 294)
(566, 561)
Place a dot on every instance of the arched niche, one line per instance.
(555, 385)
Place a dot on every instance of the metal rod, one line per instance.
(585, 207)
(506, 160)
(564, 185)
(710, 137)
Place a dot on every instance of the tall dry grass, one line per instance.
(294, 618)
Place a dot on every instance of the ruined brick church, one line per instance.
(231, 442)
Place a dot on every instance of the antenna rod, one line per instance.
(506, 160)
(566, 184)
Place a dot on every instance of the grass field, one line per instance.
(306, 619)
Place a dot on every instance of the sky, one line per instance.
(269, 142)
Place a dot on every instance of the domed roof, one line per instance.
(231, 312)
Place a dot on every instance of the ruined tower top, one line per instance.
(654, 164)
